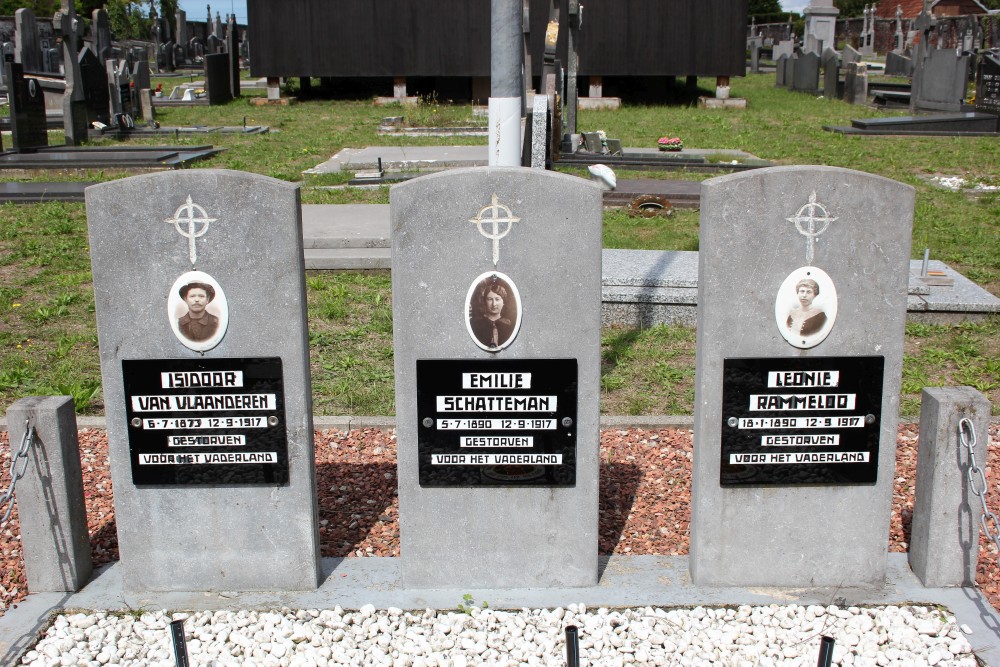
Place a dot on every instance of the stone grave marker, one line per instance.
(29, 130)
(856, 84)
(94, 80)
(850, 55)
(26, 49)
(831, 74)
(217, 87)
(182, 33)
(69, 28)
(802, 290)
(233, 53)
(497, 377)
(102, 34)
(805, 72)
(779, 72)
(988, 83)
(789, 76)
(940, 81)
(201, 317)
(141, 75)
(897, 64)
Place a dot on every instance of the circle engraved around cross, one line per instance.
(494, 207)
(807, 214)
(191, 220)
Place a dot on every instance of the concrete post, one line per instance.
(944, 540)
(505, 83)
(49, 497)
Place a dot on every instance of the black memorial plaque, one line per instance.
(808, 420)
(497, 423)
(29, 128)
(206, 421)
(988, 84)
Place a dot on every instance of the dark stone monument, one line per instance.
(789, 66)
(27, 110)
(102, 34)
(26, 50)
(70, 28)
(182, 35)
(217, 75)
(779, 71)
(988, 83)
(831, 74)
(94, 82)
(233, 53)
(140, 75)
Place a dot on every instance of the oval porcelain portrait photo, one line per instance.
(198, 311)
(493, 311)
(805, 308)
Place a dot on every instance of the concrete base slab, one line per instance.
(387, 101)
(404, 158)
(596, 103)
(716, 103)
(263, 101)
(625, 581)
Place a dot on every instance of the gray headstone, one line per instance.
(831, 74)
(243, 233)
(779, 72)
(141, 75)
(507, 534)
(785, 47)
(28, 127)
(856, 84)
(755, 57)
(115, 87)
(182, 32)
(26, 49)
(752, 254)
(806, 72)
(70, 28)
(850, 55)
(898, 65)
(789, 67)
(102, 34)
(146, 104)
(940, 81)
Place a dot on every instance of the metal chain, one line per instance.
(967, 435)
(21, 456)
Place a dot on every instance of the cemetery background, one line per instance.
(48, 340)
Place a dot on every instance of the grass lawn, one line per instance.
(48, 341)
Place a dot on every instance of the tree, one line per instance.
(128, 19)
(762, 7)
(851, 8)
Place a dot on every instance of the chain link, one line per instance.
(19, 457)
(988, 521)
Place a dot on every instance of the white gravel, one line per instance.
(734, 637)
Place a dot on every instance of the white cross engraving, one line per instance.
(192, 231)
(807, 214)
(495, 234)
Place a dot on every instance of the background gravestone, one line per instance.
(94, 82)
(805, 72)
(988, 83)
(821, 516)
(831, 74)
(940, 81)
(484, 524)
(214, 487)
(27, 52)
(217, 85)
(29, 130)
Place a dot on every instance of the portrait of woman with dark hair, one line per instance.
(493, 312)
(805, 307)
(806, 319)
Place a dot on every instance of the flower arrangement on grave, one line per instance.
(670, 143)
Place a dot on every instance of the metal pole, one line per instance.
(825, 652)
(572, 646)
(505, 83)
(180, 643)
